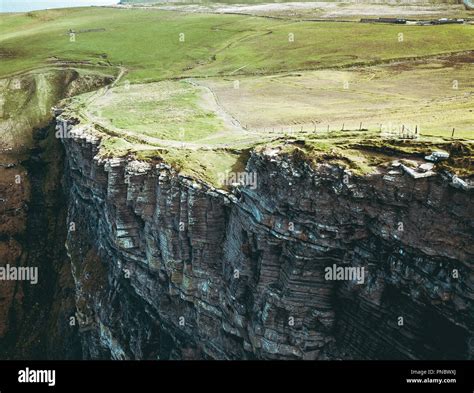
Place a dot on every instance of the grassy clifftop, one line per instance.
(225, 84)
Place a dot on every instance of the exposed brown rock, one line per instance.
(194, 272)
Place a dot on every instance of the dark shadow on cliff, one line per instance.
(41, 329)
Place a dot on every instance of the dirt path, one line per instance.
(210, 101)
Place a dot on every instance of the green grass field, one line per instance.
(147, 42)
(171, 119)
(164, 110)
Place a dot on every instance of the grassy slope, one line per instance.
(411, 94)
(147, 42)
(166, 110)
(26, 100)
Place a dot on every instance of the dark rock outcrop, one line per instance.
(166, 267)
(34, 318)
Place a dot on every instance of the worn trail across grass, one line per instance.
(215, 73)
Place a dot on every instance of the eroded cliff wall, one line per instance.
(35, 318)
(166, 267)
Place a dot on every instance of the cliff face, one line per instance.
(34, 318)
(166, 267)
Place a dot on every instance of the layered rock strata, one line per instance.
(166, 267)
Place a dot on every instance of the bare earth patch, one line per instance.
(434, 96)
(322, 10)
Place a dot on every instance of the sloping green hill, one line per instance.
(156, 45)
